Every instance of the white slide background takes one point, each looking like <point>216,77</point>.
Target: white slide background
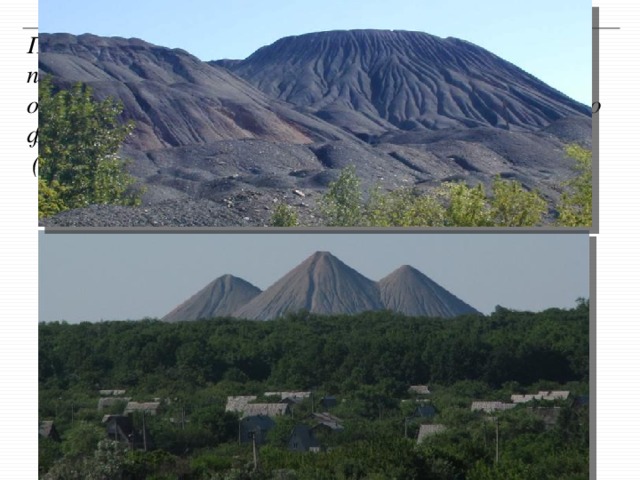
<point>618,256</point>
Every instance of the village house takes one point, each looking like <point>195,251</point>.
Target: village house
<point>429,430</point>
<point>48,430</point>
<point>302,439</point>
<point>150,408</point>
<point>419,389</point>
<point>425,410</point>
<point>266,409</point>
<point>541,395</point>
<point>255,426</point>
<point>120,428</point>
<point>238,402</point>
<point>490,407</point>
<point>581,401</point>
<point>106,393</point>
<point>290,397</point>
<point>111,402</point>
<point>326,421</point>
<point>328,402</point>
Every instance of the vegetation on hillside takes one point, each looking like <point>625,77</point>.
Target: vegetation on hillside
<point>454,204</point>
<point>575,207</point>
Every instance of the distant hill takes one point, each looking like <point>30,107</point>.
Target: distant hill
<point>218,299</point>
<point>320,284</point>
<point>411,292</point>
<point>373,81</point>
<point>174,98</point>
<point>325,285</point>
<point>219,143</point>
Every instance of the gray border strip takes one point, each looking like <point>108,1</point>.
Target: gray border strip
<point>592,356</point>
<point>317,230</point>
<point>595,120</point>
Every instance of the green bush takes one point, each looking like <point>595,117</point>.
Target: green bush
<point>575,206</point>
<point>284,216</point>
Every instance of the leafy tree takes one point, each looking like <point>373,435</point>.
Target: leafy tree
<point>402,208</point>
<point>465,206</point>
<point>458,204</point>
<point>49,201</point>
<point>341,206</point>
<point>452,204</point>
<point>279,435</point>
<point>284,216</point>
<point>82,439</point>
<point>48,452</point>
<point>513,206</point>
<point>575,206</point>
<point>79,142</point>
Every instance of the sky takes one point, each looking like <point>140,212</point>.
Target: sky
<point>549,39</point>
<point>93,277</point>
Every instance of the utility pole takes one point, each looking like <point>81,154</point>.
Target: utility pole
<point>497,441</point>
<point>255,451</point>
<point>144,432</point>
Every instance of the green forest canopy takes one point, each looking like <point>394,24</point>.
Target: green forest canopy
<point>368,360</point>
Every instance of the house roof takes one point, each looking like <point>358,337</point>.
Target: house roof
<point>491,406</point>
<point>237,403</point>
<point>295,396</point>
<point>112,392</point>
<point>541,395</point>
<point>419,389</point>
<point>267,409</point>
<point>328,420</point>
<point>149,407</point>
<point>428,430</point>
<point>47,429</point>
<point>106,402</point>
<point>522,398</point>
<point>557,395</point>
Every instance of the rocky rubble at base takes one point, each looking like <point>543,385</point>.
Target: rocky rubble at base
<point>247,209</point>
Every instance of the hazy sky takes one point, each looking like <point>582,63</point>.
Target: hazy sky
<point>129,276</point>
<point>549,39</point>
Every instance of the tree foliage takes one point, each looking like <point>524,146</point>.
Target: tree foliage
<point>576,204</point>
<point>507,203</point>
<point>78,153</point>
<point>452,204</point>
<point>513,206</point>
<point>341,205</point>
<point>302,350</point>
<point>402,208</point>
<point>284,216</point>
<point>367,360</point>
